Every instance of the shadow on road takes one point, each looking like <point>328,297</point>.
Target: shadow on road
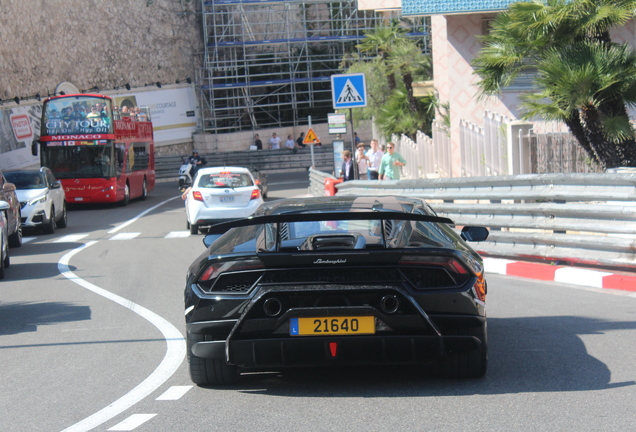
<point>541,354</point>
<point>26,317</point>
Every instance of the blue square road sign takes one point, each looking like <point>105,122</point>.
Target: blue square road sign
<point>349,91</point>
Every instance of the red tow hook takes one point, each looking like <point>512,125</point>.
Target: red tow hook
<point>333,349</point>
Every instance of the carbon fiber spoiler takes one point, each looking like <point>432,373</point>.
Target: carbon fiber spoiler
<point>326,216</point>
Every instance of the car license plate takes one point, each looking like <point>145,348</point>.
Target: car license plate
<point>324,326</point>
<point>226,199</point>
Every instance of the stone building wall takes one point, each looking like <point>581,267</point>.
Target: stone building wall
<point>96,43</point>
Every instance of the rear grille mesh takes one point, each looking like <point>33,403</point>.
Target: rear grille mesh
<point>419,277</point>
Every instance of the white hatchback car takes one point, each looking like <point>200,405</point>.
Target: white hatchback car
<point>41,197</point>
<point>220,194</point>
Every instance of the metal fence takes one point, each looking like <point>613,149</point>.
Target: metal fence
<point>167,167</point>
<point>576,218</point>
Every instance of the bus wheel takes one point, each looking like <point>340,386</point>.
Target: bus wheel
<point>126,195</point>
<point>144,190</point>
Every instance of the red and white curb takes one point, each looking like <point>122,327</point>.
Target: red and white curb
<point>556,273</point>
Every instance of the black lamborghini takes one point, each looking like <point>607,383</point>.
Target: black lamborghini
<point>336,281</point>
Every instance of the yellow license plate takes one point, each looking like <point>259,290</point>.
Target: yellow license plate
<point>325,326</point>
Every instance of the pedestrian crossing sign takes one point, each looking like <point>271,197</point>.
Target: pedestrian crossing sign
<point>349,91</point>
<point>311,137</point>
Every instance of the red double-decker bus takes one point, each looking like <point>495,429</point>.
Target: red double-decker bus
<point>101,153</point>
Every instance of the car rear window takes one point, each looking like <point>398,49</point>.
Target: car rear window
<point>224,180</point>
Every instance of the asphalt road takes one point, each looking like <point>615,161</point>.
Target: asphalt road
<point>91,339</point>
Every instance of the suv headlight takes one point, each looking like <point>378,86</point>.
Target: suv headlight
<point>34,201</point>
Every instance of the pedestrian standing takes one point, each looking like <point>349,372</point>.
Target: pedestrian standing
<point>363,162</point>
<point>391,164</point>
<point>300,140</point>
<point>274,142</point>
<point>257,142</point>
<point>375,157</point>
<point>290,143</point>
<point>346,172</point>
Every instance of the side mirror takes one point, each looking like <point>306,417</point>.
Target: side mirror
<point>4,205</point>
<point>56,185</point>
<point>34,147</point>
<point>474,234</point>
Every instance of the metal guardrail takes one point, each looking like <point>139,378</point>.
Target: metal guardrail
<point>576,218</point>
<point>167,167</point>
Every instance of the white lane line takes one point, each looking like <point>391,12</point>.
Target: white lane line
<point>178,234</point>
<point>124,236</point>
<point>132,422</point>
<point>71,238</point>
<point>27,239</point>
<point>174,393</point>
<point>175,350</point>
<point>143,213</point>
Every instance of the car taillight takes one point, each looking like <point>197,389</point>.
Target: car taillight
<point>480,289</point>
<point>197,196</point>
<point>256,193</point>
<point>215,269</point>
<point>449,263</point>
<point>257,181</point>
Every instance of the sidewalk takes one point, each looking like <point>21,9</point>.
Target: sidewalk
<point>572,275</point>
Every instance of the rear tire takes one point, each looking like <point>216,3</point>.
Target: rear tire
<point>15,239</point>
<point>194,229</point>
<point>472,364</point>
<point>49,226</point>
<point>4,263</point>
<point>206,372</point>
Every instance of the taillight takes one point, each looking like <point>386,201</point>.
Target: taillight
<point>479,289</point>
<point>256,193</point>
<point>215,269</point>
<point>197,196</point>
<point>449,263</point>
<point>257,181</point>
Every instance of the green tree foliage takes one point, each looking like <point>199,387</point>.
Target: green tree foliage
<point>581,77</point>
<point>390,76</point>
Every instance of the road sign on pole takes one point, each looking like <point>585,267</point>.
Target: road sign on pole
<point>349,91</point>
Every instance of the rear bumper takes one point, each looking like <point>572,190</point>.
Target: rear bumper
<point>320,351</point>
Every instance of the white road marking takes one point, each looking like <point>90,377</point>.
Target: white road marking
<point>125,236</point>
<point>71,238</point>
<point>178,234</point>
<point>174,393</point>
<point>27,239</point>
<point>132,422</point>
<point>143,213</point>
<point>175,350</point>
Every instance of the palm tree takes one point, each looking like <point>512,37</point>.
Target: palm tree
<point>381,40</point>
<point>583,78</point>
<point>407,60</point>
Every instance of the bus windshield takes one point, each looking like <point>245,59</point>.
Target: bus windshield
<point>82,161</point>
<point>77,115</point>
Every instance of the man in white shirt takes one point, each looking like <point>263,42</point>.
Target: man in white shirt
<point>375,157</point>
<point>274,142</point>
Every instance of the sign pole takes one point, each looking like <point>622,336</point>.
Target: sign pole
<point>311,146</point>
<point>356,175</point>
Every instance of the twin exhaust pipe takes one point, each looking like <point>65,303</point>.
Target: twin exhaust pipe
<point>389,304</point>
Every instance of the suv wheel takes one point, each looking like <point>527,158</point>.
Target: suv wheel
<point>49,225</point>
<point>15,239</point>
<point>63,222</point>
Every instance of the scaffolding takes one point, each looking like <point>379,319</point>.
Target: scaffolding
<point>268,63</point>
